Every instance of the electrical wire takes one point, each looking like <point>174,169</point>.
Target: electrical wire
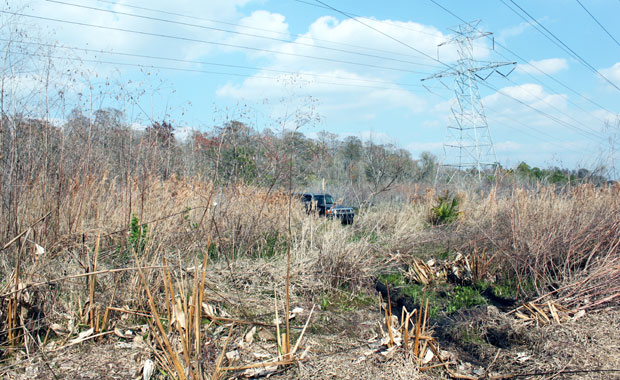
<point>98,61</point>
<point>497,111</point>
<point>297,36</point>
<point>236,74</point>
<point>585,130</point>
<point>584,133</point>
<point>238,33</point>
<point>78,49</point>
<point>563,45</point>
<point>385,34</point>
<point>534,67</point>
<point>400,26</point>
<point>554,91</point>
<point>599,24</point>
<point>543,113</point>
<point>188,39</point>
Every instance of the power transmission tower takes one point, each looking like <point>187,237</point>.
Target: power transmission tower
<point>468,145</point>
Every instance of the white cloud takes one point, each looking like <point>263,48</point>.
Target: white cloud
<point>548,66</point>
<point>514,31</point>
<point>260,19</point>
<point>117,40</point>
<point>512,99</point>
<point>612,73</point>
<point>433,147</point>
<point>508,146</point>
<point>606,116</point>
<point>351,32</point>
<point>541,153</point>
<point>355,86</point>
<point>432,124</point>
<point>137,126</point>
<point>184,133</point>
<point>376,137</point>
<point>344,93</point>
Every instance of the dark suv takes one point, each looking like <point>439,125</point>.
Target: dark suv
<point>324,204</point>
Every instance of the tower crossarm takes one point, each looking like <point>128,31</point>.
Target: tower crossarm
<point>453,71</point>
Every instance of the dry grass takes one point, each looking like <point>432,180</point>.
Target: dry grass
<point>548,240</point>
<point>193,244</point>
<point>113,255</point>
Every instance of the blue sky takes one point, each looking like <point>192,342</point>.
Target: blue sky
<point>299,55</point>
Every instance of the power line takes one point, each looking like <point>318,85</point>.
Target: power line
<point>237,33</point>
<point>385,34</point>
<point>599,24</point>
<point>565,47</point>
<point>298,36</point>
<point>78,49</point>
<point>557,81</point>
<point>584,133</point>
<point>559,121</point>
<point>325,6</point>
<point>517,121</point>
<point>584,130</point>
<point>211,42</point>
<point>447,10</point>
<point>551,117</point>
<point>198,71</point>
<point>534,67</point>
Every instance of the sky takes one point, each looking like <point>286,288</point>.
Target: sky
<point>367,68</point>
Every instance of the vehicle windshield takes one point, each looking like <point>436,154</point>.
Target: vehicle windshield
<point>324,199</point>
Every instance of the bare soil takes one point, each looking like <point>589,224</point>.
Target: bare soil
<point>480,342</point>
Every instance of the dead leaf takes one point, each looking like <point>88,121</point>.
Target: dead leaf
<point>232,356</point>
<point>148,369</point>
<point>128,334</point>
<point>261,355</point>
<point>178,315</point>
<point>208,309</point>
<point>264,334</point>
<point>260,371</point>
<point>249,337</point>
<point>578,315</point>
<point>138,341</point>
<point>82,336</point>
<point>118,332</point>
<point>523,356</point>
<point>59,329</point>
<point>38,250</point>
<point>428,357</point>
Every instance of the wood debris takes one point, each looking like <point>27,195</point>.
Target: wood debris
<point>430,271</point>
<point>545,313</point>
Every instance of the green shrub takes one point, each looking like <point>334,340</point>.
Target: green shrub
<point>445,211</point>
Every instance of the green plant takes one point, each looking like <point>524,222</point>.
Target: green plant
<point>418,292</point>
<point>137,234</point>
<point>393,279</point>
<point>445,211</point>
<point>345,301</point>
<point>469,335</point>
<point>511,287</point>
<point>275,244</point>
<point>464,296</point>
<point>186,211</point>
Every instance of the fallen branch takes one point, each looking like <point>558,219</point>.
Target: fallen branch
<point>7,245</point>
<point>27,286</point>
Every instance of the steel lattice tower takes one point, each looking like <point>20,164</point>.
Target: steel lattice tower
<point>468,144</point>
